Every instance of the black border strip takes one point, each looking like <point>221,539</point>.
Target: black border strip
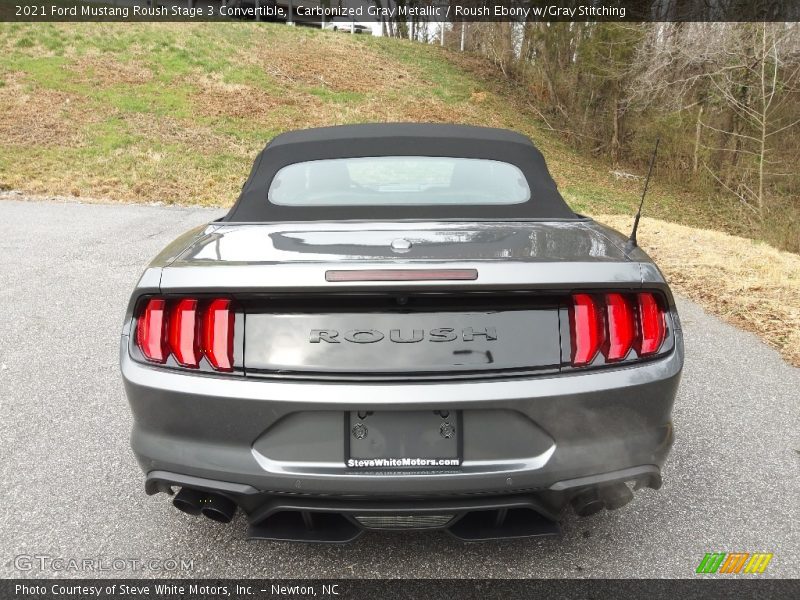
<point>435,11</point>
<point>696,587</point>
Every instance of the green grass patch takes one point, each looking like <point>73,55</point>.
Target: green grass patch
<point>253,77</point>
<point>110,137</point>
<point>153,98</point>
<point>48,72</point>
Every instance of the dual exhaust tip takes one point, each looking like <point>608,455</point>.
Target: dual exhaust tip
<point>214,506</point>
<point>610,497</point>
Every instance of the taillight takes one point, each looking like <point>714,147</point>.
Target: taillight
<point>183,333</point>
<point>613,324</point>
<point>151,329</point>
<point>652,327</point>
<point>587,329</point>
<point>621,332</point>
<point>188,329</point>
<point>218,334</point>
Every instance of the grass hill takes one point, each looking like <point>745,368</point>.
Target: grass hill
<point>177,112</point>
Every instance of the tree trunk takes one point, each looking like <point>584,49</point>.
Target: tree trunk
<point>764,109</point>
<point>616,133</point>
<point>697,131</point>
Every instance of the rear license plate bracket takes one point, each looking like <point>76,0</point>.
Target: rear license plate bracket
<point>403,439</point>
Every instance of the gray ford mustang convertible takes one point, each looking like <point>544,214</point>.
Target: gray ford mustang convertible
<point>401,327</point>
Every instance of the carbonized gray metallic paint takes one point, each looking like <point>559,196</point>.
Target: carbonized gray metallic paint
<point>548,428</point>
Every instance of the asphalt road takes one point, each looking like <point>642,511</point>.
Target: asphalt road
<point>71,488</point>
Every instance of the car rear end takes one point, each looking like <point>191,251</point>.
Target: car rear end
<point>328,378</point>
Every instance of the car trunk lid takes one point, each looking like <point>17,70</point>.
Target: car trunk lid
<point>258,257</point>
<point>299,321</point>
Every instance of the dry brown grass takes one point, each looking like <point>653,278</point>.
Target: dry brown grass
<point>45,118</point>
<point>334,62</point>
<point>169,130</point>
<point>749,284</point>
<point>234,100</point>
<point>92,67</point>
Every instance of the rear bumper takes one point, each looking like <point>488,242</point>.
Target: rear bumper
<point>564,427</point>
<point>294,517</point>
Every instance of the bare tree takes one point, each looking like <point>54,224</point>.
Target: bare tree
<point>741,82</point>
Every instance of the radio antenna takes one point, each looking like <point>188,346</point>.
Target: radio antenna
<point>632,243</point>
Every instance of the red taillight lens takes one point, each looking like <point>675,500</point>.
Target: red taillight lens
<point>615,323</point>
<point>621,327</point>
<point>218,334</point>
<point>151,331</point>
<point>586,328</point>
<point>651,324</point>
<point>183,329</point>
<point>183,333</point>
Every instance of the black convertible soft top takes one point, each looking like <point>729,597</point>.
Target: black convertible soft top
<point>399,139</point>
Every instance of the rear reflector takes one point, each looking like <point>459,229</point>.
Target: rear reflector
<point>613,324</point>
<point>183,333</point>
<point>586,327</point>
<point>621,332</point>
<point>652,328</point>
<point>403,275</point>
<point>218,334</point>
<point>151,330</point>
